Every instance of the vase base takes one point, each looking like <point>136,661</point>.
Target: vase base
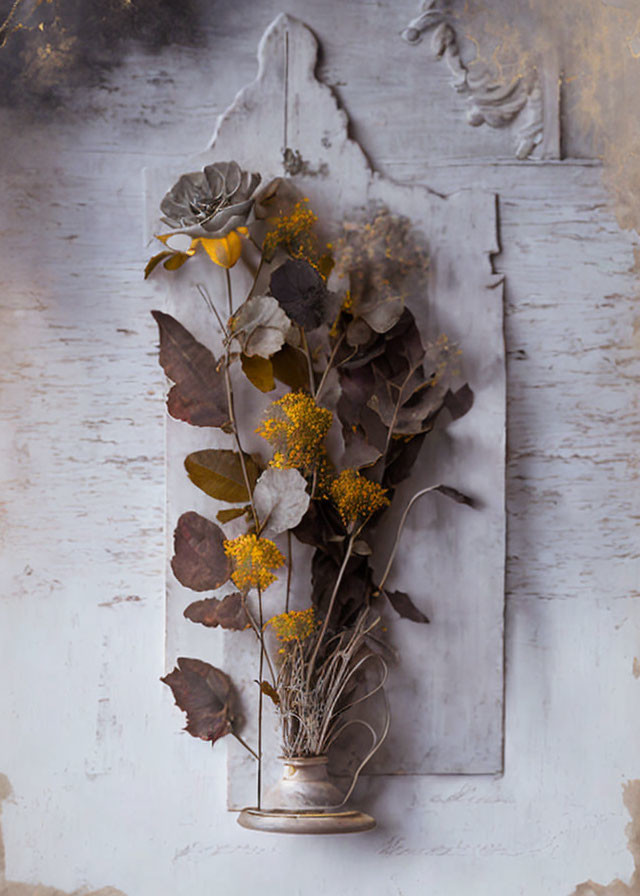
<point>306,821</point>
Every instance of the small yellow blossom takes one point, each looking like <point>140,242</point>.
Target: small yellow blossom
<point>297,427</point>
<point>294,233</point>
<point>253,560</point>
<point>295,625</point>
<point>356,497</point>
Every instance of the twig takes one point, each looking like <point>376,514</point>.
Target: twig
<point>403,518</point>
<point>245,745</point>
<point>332,601</point>
<point>289,568</point>
<point>229,299</point>
<point>332,356</point>
<point>305,346</point>
<point>260,698</point>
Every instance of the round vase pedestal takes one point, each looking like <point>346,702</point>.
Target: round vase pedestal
<point>305,801</point>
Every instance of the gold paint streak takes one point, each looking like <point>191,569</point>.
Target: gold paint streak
<point>598,47</point>
<point>17,888</point>
<point>631,796</point>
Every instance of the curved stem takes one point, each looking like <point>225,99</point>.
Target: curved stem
<point>255,279</point>
<point>403,519</point>
<point>332,601</point>
<point>332,356</point>
<point>305,346</point>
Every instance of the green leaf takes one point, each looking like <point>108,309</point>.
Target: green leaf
<point>218,472</point>
<point>290,367</point>
<point>259,371</point>
<point>155,261</point>
<point>232,513</point>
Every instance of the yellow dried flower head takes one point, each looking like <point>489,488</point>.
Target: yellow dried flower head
<point>295,625</point>
<point>356,497</point>
<point>294,233</point>
<point>253,560</point>
<point>297,427</point>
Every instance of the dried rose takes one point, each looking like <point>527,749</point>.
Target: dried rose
<point>212,202</point>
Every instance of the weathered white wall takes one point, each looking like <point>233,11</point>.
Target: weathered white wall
<point>107,792</point>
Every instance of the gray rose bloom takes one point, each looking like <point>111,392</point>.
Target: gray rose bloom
<point>212,202</point>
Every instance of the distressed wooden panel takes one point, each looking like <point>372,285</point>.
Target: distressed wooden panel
<point>446,696</point>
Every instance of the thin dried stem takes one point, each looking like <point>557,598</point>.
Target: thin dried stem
<point>330,361</point>
<point>332,601</point>
<point>403,518</point>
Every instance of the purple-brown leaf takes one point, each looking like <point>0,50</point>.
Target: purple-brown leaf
<point>199,561</point>
<point>227,613</point>
<point>404,606</point>
<point>199,395</point>
<point>204,693</point>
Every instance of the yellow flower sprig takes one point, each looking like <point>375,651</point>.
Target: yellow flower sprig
<point>254,560</point>
<point>356,497</point>
<point>296,427</point>
<point>295,625</point>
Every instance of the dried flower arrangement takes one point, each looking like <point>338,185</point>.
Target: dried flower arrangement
<point>326,322</point>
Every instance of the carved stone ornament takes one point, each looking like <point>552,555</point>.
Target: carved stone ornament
<point>446,693</point>
<point>530,100</point>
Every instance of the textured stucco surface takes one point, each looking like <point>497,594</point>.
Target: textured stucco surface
<point>106,790</point>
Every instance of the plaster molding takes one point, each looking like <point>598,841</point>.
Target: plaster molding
<point>491,102</point>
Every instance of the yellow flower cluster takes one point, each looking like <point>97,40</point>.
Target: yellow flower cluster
<point>356,497</point>
<point>296,427</point>
<point>295,625</point>
<point>253,560</point>
<point>294,233</point>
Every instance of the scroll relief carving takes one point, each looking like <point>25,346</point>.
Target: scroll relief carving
<point>490,102</point>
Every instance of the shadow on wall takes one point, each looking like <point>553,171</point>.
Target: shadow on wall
<point>15,888</point>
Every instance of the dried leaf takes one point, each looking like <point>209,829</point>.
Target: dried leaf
<point>199,396</point>
<point>270,691</point>
<point>381,311</point>
<point>204,693</point>
<point>404,606</point>
<point>281,500</point>
<point>290,367</point>
<point>227,613</point>
<point>460,402</point>
<point>260,326</point>
<point>177,260</point>
<point>259,371</point>
<point>301,291</point>
<point>232,513</point>
<point>361,548</point>
<point>199,561</point>
<point>355,588</point>
<point>455,495</point>
<point>218,472</point>
<point>155,261</point>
